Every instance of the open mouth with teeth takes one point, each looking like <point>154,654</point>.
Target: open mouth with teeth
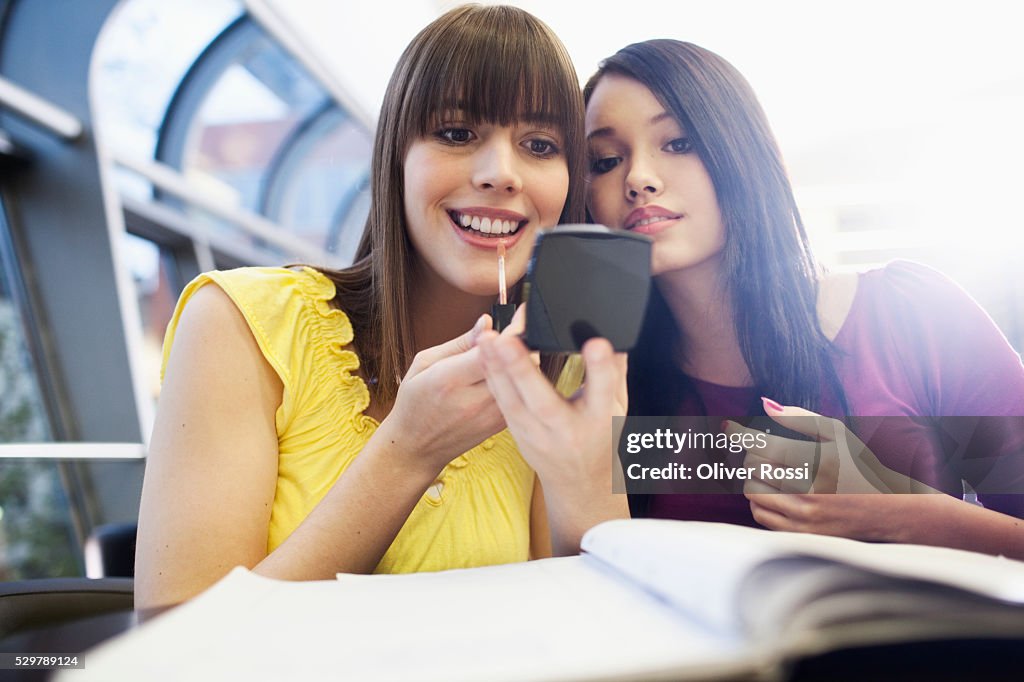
<point>488,227</point>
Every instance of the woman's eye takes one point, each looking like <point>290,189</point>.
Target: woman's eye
<point>603,165</point>
<point>543,148</point>
<point>680,145</point>
<point>455,135</point>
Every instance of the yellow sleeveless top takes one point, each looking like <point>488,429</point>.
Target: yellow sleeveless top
<point>481,515</point>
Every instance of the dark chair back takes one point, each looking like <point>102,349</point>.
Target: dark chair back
<point>110,551</point>
<point>63,615</point>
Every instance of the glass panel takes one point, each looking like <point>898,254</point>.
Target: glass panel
<point>152,268</point>
<point>145,49</point>
<point>322,192</point>
<point>223,236</point>
<point>22,412</point>
<point>254,106</point>
<point>36,534</point>
<point>243,109</point>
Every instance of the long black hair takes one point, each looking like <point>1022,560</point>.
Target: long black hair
<point>768,268</point>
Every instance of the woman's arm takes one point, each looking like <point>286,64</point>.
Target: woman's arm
<point>883,506</point>
<point>924,519</point>
<point>212,469</point>
<point>212,465</point>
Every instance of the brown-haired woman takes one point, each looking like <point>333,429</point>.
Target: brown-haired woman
<point>315,422</point>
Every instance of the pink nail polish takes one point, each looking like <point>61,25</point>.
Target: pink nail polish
<point>770,404</point>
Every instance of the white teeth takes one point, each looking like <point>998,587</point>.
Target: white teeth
<point>487,225</point>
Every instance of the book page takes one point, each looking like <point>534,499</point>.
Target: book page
<point>695,566</point>
<point>701,567</point>
<point>554,619</point>
<point>795,598</point>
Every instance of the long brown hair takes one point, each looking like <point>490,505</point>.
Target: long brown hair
<point>769,270</point>
<point>497,64</point>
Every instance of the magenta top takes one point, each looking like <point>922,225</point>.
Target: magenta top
<point>914,344</point>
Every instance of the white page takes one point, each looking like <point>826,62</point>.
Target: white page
<point>698,566</point>
<point>695,566</point>
<point>556,619</point>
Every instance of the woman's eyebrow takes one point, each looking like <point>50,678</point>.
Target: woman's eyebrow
<point>660,117</point>
<point>608,131</point>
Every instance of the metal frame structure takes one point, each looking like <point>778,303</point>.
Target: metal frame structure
<point>66,228</point>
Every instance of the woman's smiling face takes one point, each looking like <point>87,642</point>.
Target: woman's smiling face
<point>645,176</point>
<point>469,185</point>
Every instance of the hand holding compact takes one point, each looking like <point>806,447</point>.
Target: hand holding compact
<point>567,441</point>
<point>560,437</point>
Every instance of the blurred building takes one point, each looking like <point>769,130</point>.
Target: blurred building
<point>142,142</point>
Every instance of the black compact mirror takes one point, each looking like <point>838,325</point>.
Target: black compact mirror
<point>585,281</point>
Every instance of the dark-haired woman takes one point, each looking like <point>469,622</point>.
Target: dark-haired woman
<point>314,421</point>
<point>743,322</point>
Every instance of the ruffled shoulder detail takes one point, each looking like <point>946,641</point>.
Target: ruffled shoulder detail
<point>333,337</point>
<point>319,291</point>
<point>302,336</point>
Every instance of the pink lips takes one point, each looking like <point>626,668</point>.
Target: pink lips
<point>654,219</point>
<point>492,213</point>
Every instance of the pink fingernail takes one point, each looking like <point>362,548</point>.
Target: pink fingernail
<point>770,404</point>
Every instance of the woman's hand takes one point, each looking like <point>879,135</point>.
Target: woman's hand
<point>568,442</point>
<point>444,407</point>
<point>843,493</point>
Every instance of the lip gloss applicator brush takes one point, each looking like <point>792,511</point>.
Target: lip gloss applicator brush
<point>502,311</point>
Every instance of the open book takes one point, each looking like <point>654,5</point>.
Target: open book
<point>647,600</point>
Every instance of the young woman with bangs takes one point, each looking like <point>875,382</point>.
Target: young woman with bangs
<point>743,322</point>
<point>316,421</point>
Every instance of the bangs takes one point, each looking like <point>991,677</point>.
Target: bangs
<point>517,73</point>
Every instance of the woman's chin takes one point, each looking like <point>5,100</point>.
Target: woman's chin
<point>680,261</point>
<point>479,287</point>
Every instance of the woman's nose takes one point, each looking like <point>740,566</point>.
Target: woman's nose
<point>642,180</point>
<point>497,167</point>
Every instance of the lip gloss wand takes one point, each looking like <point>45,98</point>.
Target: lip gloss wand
<point>502,311</point>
